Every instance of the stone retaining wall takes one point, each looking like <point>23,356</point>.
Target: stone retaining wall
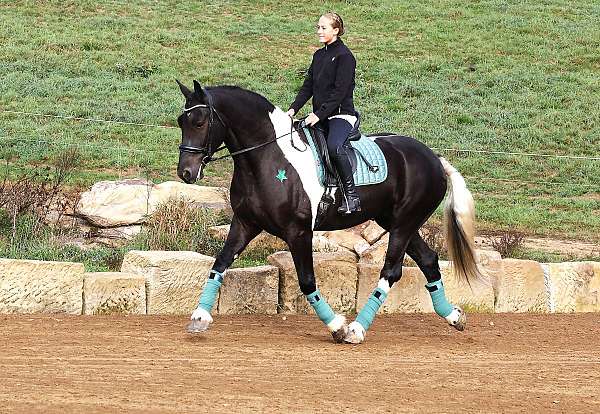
<point>171,282</point>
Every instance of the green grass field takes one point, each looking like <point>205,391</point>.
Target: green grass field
<point>491,76</point>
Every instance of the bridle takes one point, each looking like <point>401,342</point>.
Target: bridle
<point>207,150</point>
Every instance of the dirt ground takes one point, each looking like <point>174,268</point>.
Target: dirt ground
<point>409,363</point>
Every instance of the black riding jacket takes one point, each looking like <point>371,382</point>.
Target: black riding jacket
<point>330,81</point>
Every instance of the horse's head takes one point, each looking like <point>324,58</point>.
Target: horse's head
<point>201,132</point>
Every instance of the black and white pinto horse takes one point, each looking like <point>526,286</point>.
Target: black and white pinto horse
<point>275,188</point>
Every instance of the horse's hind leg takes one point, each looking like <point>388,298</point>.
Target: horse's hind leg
<point>427,260</point>
<point>390,274</point>
<point>240,234</point>
<point>301,248</point>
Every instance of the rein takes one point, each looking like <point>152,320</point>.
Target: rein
<point>207,150</point>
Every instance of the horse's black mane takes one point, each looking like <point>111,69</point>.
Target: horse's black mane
<point>258,101</point>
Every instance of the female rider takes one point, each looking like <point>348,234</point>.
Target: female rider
<point>330,82</point>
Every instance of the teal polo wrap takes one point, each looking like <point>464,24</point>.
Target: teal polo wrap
<point>368,312</point>
<point>211,290</point>
<point>321,307</point>
<point>438,296</point>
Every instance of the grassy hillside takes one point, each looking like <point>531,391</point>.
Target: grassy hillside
<point>491,76</point>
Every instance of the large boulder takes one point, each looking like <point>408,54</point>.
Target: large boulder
<point>520,287</point>
<point>336,277</point>
<point>375,254</point>
<point>568,285</point>
<point>322,244</point>
<point>347,239</point>
<point>250,290</point>
<point>114,293</point>
<point>174,280</point>
<point>263,241</point>
<point>126,202</point>
<point>201,196</point>
<point>113,236</point>
<point>34,286</point>
<point>373,232</point>
<point>115,203</point>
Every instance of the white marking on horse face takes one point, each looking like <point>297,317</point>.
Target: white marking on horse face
<point>383,285</point>
<point>302,162</point>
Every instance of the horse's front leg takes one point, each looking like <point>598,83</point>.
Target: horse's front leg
<point>240,234</point>
<point>301,248</point>
<point>390,274</point>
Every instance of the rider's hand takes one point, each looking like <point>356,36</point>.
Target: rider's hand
<point>291,113</point>
<point>311,119</point>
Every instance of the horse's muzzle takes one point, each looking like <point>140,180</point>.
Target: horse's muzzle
<point>187,176</point>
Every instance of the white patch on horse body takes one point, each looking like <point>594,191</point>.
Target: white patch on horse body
<point>302,162</point>
<point>337,323</point>
<point>201,314</point>
<point>384,285</point>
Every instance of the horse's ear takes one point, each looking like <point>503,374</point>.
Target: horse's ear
<point>184,89</point>
<point>198,90</point>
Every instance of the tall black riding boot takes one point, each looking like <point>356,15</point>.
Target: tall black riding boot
<point>350,199</point>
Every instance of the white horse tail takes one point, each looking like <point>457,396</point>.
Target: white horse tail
<point>459,226</point>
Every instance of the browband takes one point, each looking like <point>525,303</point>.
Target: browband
<point>194,107</point>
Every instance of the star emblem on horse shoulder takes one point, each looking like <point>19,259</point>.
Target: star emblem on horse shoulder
<point>281,175</point>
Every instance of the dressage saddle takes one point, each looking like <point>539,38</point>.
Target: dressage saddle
<point>319,137</point>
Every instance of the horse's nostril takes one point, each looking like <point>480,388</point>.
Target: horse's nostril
<point>187,175</point>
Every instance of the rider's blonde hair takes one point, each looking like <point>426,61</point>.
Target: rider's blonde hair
<point>336,21</point>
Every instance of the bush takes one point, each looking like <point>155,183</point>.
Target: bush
<point>508,242</point>
<point>178,225</point>
<point>37,191</point>
<point>29,238</point>
<point>434,237</point>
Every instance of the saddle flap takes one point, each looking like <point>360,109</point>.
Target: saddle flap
<point>371,168</point>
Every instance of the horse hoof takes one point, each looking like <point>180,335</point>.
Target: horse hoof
<point>201,320</point>
<point>340,335</point>
<point>197,326</point>
<point>356,333</point>
<point>457,319</point>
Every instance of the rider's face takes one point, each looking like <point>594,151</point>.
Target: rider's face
<point>327,34</point>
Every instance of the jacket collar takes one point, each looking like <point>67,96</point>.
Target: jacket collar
<point>333,45</point>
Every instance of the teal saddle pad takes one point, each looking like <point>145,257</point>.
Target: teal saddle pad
<point>362,176</point>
